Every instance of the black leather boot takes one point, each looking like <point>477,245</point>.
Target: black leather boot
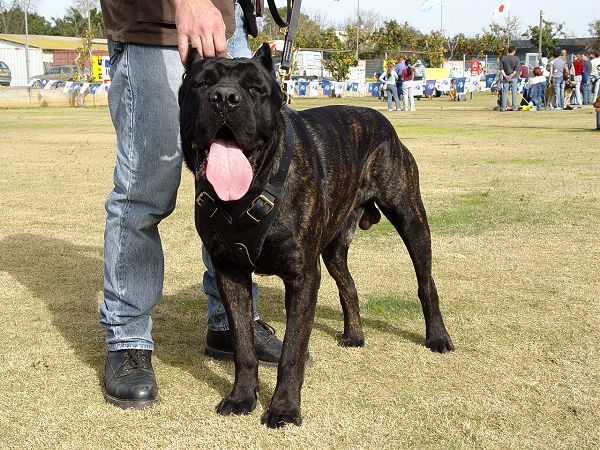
<point>268,346</point>
<point>130,381</point>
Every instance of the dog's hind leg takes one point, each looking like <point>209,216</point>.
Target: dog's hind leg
<point>335,257</point>
<point>403,207</point>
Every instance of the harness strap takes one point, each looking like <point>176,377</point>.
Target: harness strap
<point>242,225</point>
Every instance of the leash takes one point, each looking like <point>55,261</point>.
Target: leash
<point>291,28</point>
<point>242,225</point>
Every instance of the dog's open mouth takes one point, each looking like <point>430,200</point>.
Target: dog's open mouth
<point>228,169</point>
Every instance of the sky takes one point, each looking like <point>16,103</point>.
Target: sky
<point>457,16</point>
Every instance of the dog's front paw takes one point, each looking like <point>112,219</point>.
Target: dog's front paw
<point>277,418</point>
<point>232,405</point>
<point>352,339</point>
<point>440,342</point>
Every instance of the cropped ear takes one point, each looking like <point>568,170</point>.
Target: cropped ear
<point>263,55</point>
<point>192,57</point>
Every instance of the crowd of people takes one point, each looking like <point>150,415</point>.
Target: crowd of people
<point>562,82</point>
<point>399,82</point>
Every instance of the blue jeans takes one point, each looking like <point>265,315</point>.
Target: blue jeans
<point>587,92</point>
<point>145,112</point>
<point>512,84</point>
<point>392,91</point>
<point>559,91</point>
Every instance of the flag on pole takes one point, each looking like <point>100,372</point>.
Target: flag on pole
<point>428,5</point>
<point>502,9</point>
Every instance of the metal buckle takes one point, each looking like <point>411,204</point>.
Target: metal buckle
<point>265,200</point>
<point>200,201</point>
<point>200,198</point>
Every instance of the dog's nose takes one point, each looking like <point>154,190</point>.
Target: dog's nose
<point>224,96</point>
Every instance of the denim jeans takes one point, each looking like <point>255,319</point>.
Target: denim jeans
<point>587,92</point>
<point>559,91</point>
<point>578,98</point>
<point>145,113</point>
<point>392,91</point>
<point>511,84</point>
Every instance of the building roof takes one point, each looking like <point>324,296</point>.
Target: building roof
<point>53,42</point>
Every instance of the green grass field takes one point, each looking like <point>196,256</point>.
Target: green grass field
<point>514,206</point>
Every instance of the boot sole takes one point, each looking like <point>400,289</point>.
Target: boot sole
<point>130,404</point>
<point>228,356</point>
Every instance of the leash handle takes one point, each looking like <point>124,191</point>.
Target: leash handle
<point>290,35</point>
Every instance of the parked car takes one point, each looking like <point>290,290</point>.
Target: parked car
<point>5,74</point>
<point>63,73</point>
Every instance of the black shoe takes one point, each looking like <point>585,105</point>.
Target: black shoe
<point>129,379</point>
<point>268,346</point>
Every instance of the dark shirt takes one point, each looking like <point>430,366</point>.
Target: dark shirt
<point>510,64</point>
<point>524,72</point>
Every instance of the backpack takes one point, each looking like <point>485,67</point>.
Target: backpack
<point>419,72</point>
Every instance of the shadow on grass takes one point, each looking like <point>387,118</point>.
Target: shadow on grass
<point>68,279</point>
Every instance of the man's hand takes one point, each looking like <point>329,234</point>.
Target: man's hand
<point>199,23</point>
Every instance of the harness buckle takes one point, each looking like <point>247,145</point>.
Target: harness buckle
<point>265,201</point>
<point>203,197</point>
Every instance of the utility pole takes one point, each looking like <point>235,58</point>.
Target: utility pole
<point>508,27</point>
<point>442,18</point>
<point>27,51</point>
<point>540,36</point>
<point>357,27</point>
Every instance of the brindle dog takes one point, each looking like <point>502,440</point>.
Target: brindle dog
<point>348,164</point>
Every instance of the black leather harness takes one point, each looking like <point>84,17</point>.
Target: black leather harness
<point>242,225</point>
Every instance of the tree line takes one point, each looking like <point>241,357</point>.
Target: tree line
<point>376,37</point>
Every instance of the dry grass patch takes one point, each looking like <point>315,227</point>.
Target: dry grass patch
<point>513,201</point>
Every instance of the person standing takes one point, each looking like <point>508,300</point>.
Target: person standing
<point>509,69</point>
<point>557,68</point>
<point>578,74</point>
<point>595,75</point>
<point>400,66</point>
<point>390,77</point>
<point>408,91</point>
<point>524,72</point>
<point>148,51</point>
<point>585,79</point>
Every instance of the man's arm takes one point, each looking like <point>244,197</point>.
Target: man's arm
<point>200,24</point>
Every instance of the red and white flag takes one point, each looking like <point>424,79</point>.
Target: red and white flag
<point>502,9</point>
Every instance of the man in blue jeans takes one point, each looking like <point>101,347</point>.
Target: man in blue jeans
<point>148,47</point>
<point>509,68</point>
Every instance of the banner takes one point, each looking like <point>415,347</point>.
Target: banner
<point>339,88</point>
<point>460,85</point>
<point>314,89</point>
<point>443,85</point>
<point>302,86</point>
<point>489,79</point>
<point>418,88</point>
<point>327,88</point>
<point>429,87</point>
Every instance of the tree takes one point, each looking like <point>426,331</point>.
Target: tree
<point>393,37</point>
<point>497,36</point>
<point>460,45</point>
<point>339,64</point>
<point>551,32</point>
<point>12,19</point>
<point>434,46</point>
<point>594,30</point>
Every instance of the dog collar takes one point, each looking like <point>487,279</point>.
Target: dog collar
<point>242,224</point>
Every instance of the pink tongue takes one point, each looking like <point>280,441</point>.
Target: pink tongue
<point>228,170</point>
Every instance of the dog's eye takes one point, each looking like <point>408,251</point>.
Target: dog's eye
<point>198,84</point>
<point>256,90</point>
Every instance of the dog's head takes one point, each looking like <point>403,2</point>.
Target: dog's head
<point>230,110</point>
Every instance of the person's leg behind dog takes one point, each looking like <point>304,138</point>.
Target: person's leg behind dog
<point>514,87</point>
<point>504,95</point>
<point>558,85</point>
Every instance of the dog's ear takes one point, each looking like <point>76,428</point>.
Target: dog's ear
<point>192,57</point>
<point>263,55</point>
